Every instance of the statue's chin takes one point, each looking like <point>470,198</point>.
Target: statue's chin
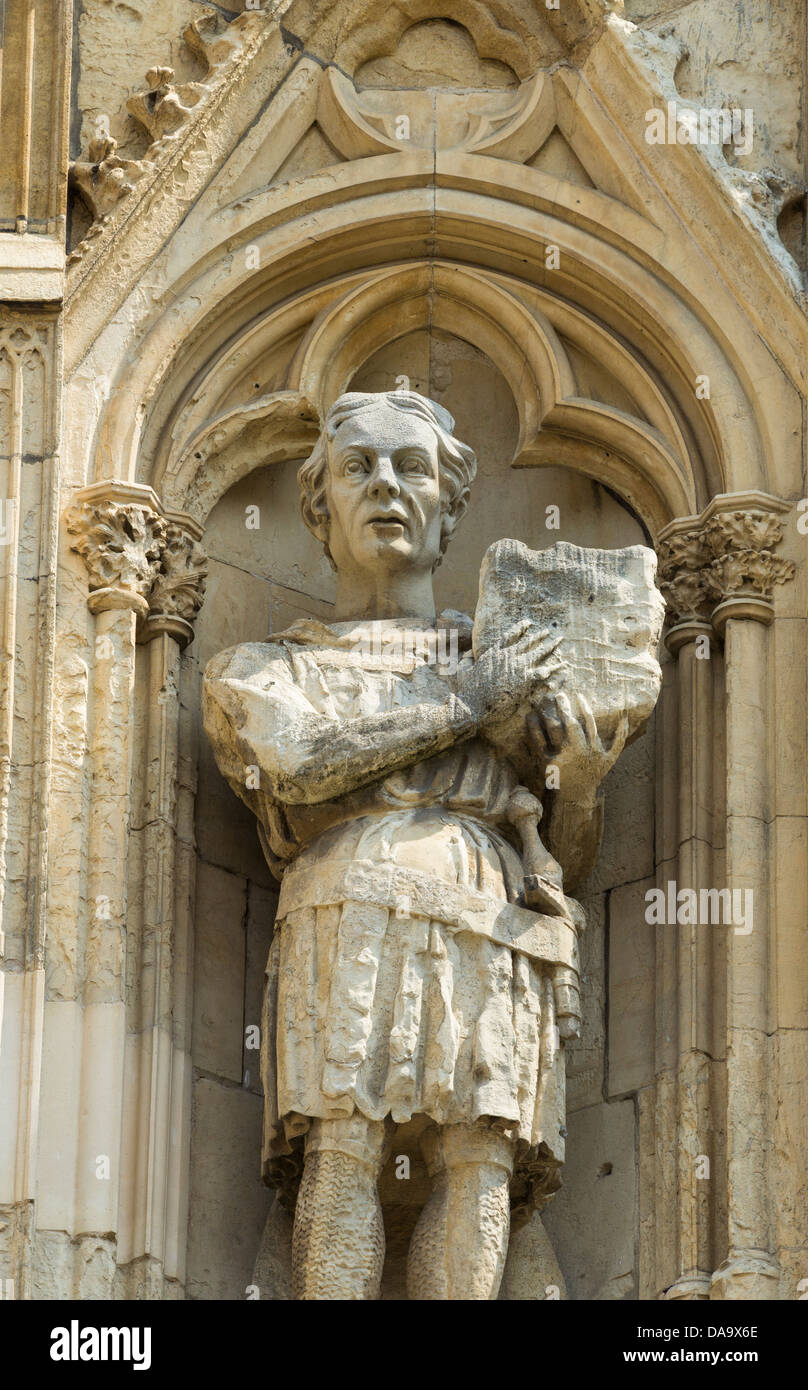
<point>379,551</point>
<point>392,551</point>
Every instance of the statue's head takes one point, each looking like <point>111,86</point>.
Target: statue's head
<point>387,482</point>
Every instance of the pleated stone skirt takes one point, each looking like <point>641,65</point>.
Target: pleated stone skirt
<point>392,1014</point>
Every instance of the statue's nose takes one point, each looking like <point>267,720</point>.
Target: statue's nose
<point>383,480</point>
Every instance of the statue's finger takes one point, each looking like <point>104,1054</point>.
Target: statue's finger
<point>535,651</point>
<point>513,635</point>
<point>566,714</point>
<point>618,743</point>
<point>536,732</point>
<point>552,723</point>
<point>588,721</point>
<point>548,667</point>
<point>549,641</point>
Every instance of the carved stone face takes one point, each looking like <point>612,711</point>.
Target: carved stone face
<point>384,492</point>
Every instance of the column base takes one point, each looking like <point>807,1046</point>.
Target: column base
<point>752,1275</point>
<point>689,1289</point>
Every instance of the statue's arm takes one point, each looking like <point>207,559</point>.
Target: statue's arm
<point>264,720</point>
<point>572,832</point>
<point>257,715</point>
<point>565,735</point>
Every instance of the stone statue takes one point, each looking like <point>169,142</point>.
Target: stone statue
<point>424,968</point>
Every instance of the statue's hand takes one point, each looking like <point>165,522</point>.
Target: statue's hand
<point>496,683</point>
<point>563,732</point>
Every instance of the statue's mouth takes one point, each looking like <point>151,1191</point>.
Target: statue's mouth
<point>388,521</point>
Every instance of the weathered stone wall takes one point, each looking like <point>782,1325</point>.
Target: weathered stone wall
<point>749,54</point>
<point>116,42</point>
<point>739,52</point>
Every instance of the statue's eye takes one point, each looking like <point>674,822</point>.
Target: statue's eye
<point>354,464</point>
<point>412,463</point>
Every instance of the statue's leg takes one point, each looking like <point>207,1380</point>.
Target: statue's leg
<point>338,1237</point>
<point>459,1245</point>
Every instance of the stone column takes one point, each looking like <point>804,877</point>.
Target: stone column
<point>159,1042</point>
<point>718,571</point>
<point>684,1083</point>
<point>741,575</point>
<point>120,535</point>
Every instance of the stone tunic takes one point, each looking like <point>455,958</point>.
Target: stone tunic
<point>403,978</point>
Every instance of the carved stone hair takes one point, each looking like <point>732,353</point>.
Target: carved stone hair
<point>457,463</point>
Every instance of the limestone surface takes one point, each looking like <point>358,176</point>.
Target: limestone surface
<point>581,232</point>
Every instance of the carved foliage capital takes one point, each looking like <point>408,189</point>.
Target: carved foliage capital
<point>137,558</point>
<point>681,578</point>
<point>743,530</point>
<point>179,584</point>
<point>722,555</point>
<point>119,542</point>
<point>743,562</point>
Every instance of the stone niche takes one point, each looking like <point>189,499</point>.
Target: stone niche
<point>274,213</point>
<point>264,576</point>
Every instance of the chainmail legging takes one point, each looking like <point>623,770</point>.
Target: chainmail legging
<point>459,1245</point>
<point>338,1238</point>
<point>458,1248</point>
